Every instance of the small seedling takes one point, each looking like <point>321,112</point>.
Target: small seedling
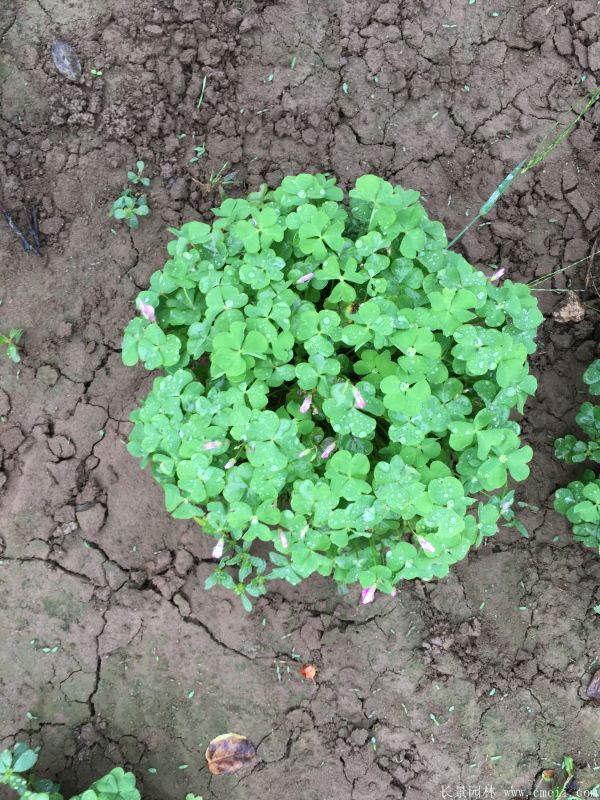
<point>568,790</point>
<point>580,500</point>
<point>137,177</point>
<point>129,207</point>
<point>97,73</point>
<point>221,180</point>
<point>198,153</point>
<point>10,341</point>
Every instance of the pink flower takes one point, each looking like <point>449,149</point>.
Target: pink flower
<point>212,445</point>
<point>328,450</point>
<point>394,592</point>
<point>230,463</point>
<point>367,595</point>
<point>306,404</point>
<point>283,539</point>
<point>217,551</point>
<point>427,546</point>
<point>497,275</point>
<point>147,311</point>
<point>306,278</point>
<point>359,400</point>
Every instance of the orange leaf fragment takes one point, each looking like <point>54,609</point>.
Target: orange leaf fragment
<point>228,753</point>
<point>308,671</point>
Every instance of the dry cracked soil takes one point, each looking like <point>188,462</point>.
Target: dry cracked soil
<point>111,651</point>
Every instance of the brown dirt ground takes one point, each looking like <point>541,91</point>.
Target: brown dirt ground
<point>476,680</point>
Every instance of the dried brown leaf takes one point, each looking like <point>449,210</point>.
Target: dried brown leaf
<point>228,753</point>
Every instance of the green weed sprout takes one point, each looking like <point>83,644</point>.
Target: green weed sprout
<point>579,502</point>
<point>336,383</point>
<point>198,153</point>
<point>222,180</point>
<point>542,151</point>
<point>131,205</point>
<point>219,180</point>
<point>10,341</point>
<point>568,788</point>
<point>15,772</point>
<point>137,177</point>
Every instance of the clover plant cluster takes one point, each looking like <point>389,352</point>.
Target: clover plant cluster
<point>15,772</point>
<point>580,500</point>
<point>337,384</point>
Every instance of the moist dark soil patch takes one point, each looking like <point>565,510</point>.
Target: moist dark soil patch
<point>476,680</point>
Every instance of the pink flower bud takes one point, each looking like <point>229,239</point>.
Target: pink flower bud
<point>283,539</point>
<point>394,592</point>
<point>427,546</point>
<point>497,275</point>
<point>306,278</point>
<point>359,400</point>
<point>328,450</point>
<point>367,595</point>
<point>212,445</point>
<point>230,463</point>
<point>217,551</point>
<point>306,403</point>
<point>147,311</point>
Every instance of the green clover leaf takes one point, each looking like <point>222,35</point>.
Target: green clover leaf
<point>230,350</point>
<point>343,415</point>
<point>157,349</point>
<point>404,392</point>
<point>592,377</point>
<point>346,474</point>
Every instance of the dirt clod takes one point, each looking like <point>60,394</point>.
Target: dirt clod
<point>572,309</point>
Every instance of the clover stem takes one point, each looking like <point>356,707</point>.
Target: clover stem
<point>376,553</point>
